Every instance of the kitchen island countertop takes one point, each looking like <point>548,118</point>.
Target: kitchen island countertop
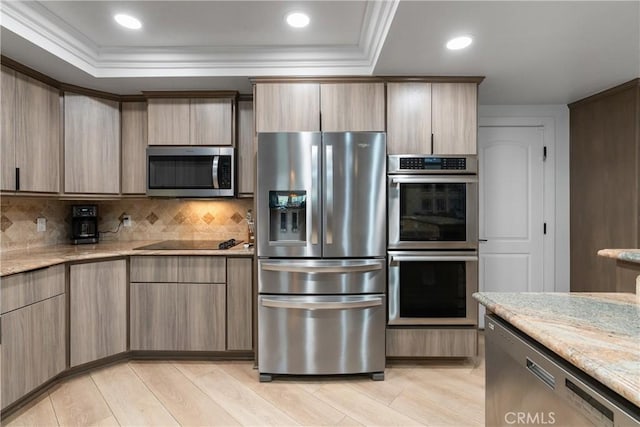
<point>22,260</point>
<point>599,333</point>
<point>628,255</point>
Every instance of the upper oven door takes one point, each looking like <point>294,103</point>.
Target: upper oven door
<point>433,212</point>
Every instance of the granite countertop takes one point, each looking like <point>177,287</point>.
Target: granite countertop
<point>599,333</point>
<point>628,255</point>
<point>29,259</point>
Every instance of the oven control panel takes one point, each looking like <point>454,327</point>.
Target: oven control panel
<point>424,164</point>
<point>433,163</point>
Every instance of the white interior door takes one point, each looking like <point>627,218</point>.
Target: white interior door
<point>511,197</point>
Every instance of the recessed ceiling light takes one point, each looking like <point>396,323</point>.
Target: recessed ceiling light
<point>128,21</point>
<point>459,43</point>
<point>298,19</point>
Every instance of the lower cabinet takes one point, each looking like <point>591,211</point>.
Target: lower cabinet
<point>97,310</point>
<point>239,304</point>
<point>432,342</point>
<point>33,347</point>
<point>178,316</point>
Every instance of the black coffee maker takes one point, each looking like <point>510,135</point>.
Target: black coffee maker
<point>84,224</point>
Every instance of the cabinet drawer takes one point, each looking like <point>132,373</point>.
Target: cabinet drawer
<point>202,269</point>
<point>154,269</point>
<point>19,290</point>
<point>420,342</point>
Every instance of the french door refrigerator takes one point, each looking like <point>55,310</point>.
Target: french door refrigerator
<point>321,240</point>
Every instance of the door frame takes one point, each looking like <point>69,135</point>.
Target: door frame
<point>548,176</point>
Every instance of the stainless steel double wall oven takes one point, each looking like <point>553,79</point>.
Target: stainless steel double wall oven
<point>321,253</point>
<point>433,239</point>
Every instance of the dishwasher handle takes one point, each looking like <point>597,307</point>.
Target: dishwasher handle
<point>331,305</point>
<point>541,374</point>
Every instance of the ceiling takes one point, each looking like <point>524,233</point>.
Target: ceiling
<point>539,52</point>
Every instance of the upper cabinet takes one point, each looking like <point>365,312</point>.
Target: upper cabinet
<point>287,107</point>
<point>305,106</point>
<point>352,107</point>
<point>246,149</point>
<point>432,118</point>
<point>133,119</point>
<point>191,121</point>
<point>91,145</point>
<point>30,134</point>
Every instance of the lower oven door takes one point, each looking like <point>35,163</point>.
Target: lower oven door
<point>432,288</point>
<point>324,335</point>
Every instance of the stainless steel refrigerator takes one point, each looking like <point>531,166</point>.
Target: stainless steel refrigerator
<point>321,240</point>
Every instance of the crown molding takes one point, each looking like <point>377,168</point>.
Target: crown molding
<point>35,23</point>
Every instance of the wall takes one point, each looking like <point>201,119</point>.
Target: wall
<point>153,219</point>
<point>556,179</point>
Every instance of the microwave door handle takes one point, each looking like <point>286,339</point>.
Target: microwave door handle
<point>418,258</point>
<point>214,171</point>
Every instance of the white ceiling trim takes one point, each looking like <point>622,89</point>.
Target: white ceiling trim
<point>35,23</point>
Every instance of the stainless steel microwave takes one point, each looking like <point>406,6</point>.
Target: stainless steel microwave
<point>190,171</point>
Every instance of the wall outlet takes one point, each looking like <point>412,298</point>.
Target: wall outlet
<point>126,220</point>
<point>41,225</point>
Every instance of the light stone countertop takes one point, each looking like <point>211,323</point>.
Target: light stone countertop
<point>19,261</point>
<point>599,333</point>
<point>628,255</point>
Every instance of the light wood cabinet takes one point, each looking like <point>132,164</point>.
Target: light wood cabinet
<point>33,347</point>
<point>191,121</point>
<point>91,145</point>
<point>168,121</point>
<point>19,290</point>
<point>7,129</point>
<point>287,107</point>
<point>239,304</point>
<point>454,118</point>
<point>337,107</point>
<point>133,119</point>
<point>98,310</point>
<point>352,107</point>
<point>30,134</point>
<point>178,303</point>
<point>246,149</point>
<point>432,118</point>
<point>432,342</point>
<point>408,118</point>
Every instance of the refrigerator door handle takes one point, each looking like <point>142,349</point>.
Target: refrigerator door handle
<point>293,268</point>
<point>314,195</point>
<point>329,195</point>
<point>302,305</point>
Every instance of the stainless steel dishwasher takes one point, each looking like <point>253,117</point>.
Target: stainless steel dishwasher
<point>527,384</point>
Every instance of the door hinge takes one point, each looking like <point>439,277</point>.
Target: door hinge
<point>544,153</point>
<point>544,228</point>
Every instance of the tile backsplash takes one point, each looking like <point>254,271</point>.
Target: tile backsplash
<point>152,219</point>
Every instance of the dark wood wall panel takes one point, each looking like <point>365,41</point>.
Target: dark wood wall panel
<point>604,174</point>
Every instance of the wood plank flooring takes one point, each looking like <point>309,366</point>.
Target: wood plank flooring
<point>168,393</point>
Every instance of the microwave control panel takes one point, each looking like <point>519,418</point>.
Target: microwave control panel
<point>433,163</point>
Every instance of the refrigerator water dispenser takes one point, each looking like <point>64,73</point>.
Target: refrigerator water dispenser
<point>287,216</point>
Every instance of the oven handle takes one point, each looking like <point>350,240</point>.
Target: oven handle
<point>434,180</point>
<point>290,268</point>
<point>345,305</point>
<point>409,258</point>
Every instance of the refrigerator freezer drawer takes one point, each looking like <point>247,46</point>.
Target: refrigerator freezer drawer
<point>332,276</point>
<point>321,335</point>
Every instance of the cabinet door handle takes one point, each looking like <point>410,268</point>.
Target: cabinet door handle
<point>17,179</point>
<point>432,144</point>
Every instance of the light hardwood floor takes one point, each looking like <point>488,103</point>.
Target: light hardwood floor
<point>170,393</point>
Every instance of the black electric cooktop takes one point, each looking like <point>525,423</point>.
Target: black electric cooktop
<point>170,245</point>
